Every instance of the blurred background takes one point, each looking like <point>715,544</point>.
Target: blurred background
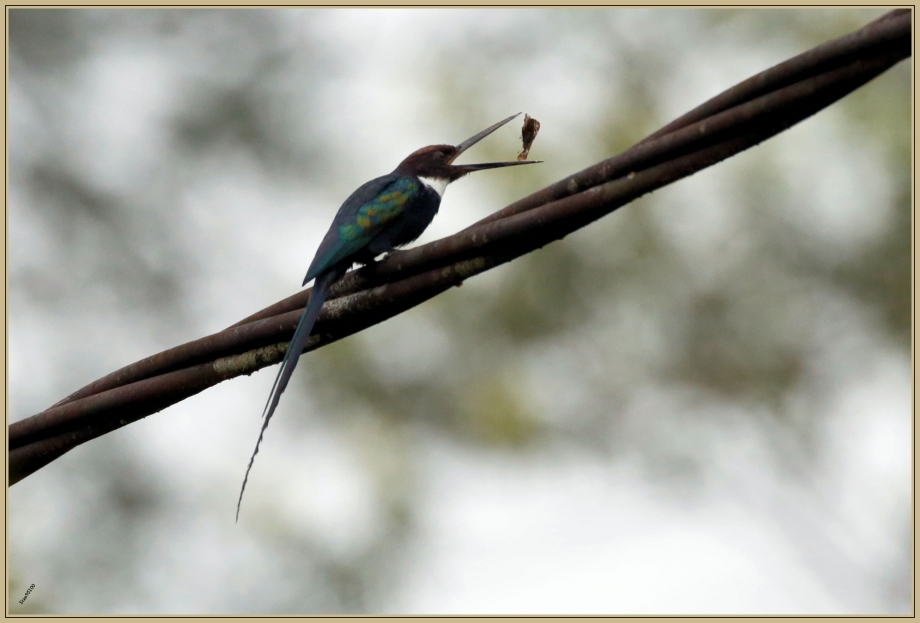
<point>699,404</point>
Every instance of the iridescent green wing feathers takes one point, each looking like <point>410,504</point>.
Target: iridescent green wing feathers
<point>363,216</point>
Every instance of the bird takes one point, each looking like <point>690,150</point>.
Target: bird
<point>385,213</point>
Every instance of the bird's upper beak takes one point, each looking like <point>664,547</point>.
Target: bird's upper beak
<point>462,147</point>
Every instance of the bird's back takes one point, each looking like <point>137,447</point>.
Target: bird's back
<point>381,214</point>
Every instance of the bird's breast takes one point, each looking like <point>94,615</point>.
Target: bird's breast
<point>419,211</point>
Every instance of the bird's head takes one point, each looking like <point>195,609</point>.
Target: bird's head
<point>435,162</point>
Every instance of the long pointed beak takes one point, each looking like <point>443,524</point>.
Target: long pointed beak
<point>462,147</point>
<point>469,168</point>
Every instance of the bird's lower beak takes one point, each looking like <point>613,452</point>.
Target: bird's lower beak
<point>462,147</point>
<point>469,168</point>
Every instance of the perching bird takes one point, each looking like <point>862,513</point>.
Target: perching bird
<point>385,213</point>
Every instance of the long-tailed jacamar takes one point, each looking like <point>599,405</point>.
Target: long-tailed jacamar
<point>385,213</point>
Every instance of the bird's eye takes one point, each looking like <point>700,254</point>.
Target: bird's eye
<point>439,155</point>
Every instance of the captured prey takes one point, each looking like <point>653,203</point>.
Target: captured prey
<point>385,213</point>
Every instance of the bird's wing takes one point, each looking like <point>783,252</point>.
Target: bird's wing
<point>369,211</point>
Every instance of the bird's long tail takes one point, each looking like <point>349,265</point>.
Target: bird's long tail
<point>295,349</point>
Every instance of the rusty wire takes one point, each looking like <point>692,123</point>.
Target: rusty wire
<point>733,121</point>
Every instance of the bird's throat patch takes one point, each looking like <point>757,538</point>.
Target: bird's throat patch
<point>437,184</point>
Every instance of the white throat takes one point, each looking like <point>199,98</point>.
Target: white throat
<point>437,184</point>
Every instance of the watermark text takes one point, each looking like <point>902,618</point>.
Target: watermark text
<point>26,596</point>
